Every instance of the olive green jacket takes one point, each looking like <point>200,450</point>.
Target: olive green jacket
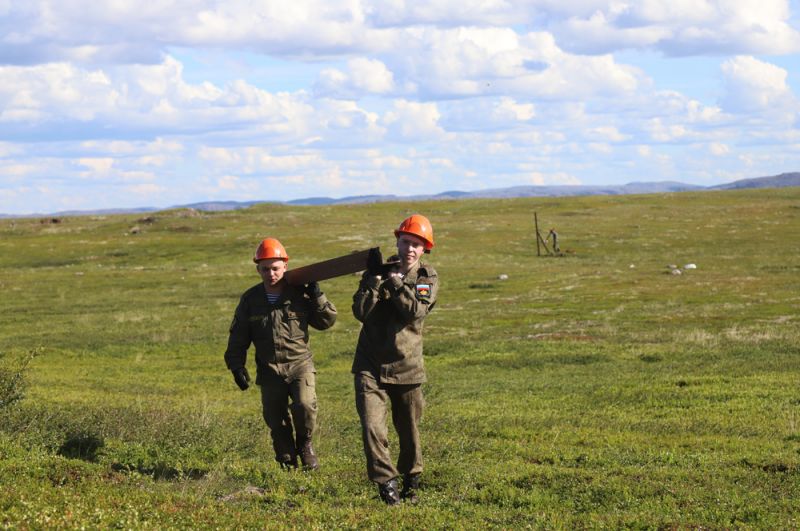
<point>279,332</point>
<point>392,311</point>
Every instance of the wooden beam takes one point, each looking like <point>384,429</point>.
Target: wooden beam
<point>335,267</point>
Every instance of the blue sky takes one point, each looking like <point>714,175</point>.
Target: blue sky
<point>124,104</point>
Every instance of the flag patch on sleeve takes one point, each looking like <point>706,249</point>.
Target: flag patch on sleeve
<point>423,291</point>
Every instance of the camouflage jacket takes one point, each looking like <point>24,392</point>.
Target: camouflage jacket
<point>279,332</point>
<point>392,311</point>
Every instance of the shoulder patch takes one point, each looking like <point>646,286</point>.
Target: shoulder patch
<point>423,291</point>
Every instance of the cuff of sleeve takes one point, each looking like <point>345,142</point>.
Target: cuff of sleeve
<point>396,282</point>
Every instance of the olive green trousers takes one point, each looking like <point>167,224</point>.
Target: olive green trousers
<point>407,403</point>
<point>289,432</point>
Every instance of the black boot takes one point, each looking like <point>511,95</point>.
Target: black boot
<point>287,461</point>
<point>410,488</point>
<point>388,492</point>
<point>307,456</point>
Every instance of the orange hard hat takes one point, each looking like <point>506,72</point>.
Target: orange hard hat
<point>419,226</point>
<point>270,248</point>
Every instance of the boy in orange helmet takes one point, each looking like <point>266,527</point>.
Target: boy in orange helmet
<point>388,364</point>
<point>275,317</point>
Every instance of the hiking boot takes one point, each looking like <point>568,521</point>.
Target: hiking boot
<point>307,456</point>
<point>410,488</point>
<point>388,492</point>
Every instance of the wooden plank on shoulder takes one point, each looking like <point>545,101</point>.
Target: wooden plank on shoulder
<point>335,267</point>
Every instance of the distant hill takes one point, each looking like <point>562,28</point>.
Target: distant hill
<point>513,191</point>
<point>775,181</point>
<point>214,206</point>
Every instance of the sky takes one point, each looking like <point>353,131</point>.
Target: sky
<point>122,103</point>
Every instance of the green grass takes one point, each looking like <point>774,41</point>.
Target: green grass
<point>585,391</point>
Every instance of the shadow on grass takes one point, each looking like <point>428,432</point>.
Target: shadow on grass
<point>81,446</point>
<point>88,447</point>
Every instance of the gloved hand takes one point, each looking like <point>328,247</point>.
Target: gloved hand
<point>312,290</point>
<point>375,262</point>
<point>392,267</point>
<point>241,377</point>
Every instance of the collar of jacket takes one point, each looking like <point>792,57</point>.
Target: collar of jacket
<point>286,296</point>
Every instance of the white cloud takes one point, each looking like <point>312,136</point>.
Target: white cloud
<point>18,170</point>
<point>755,86</point>
<point>393,13</point>
<point>370,75</point>
<point>553,179</point>
<point>607,133</point>
<point>56,90</point>
<point>123,31</point>
<point>389,162</point>
<point>718,149</point>
<point>97,165</point>
<point>600,147</point>
<point>153,160</point>
<point>473,61</point>
<point>121,148</point>
<point>661,132</point>
<point>681,27</point>
<point>507,107</point>
<point>410,120</point>
<point>145,99</point>
<point>486,114</point>
<point>699,113</point>
<point>363,76</point>
<point>256,160</point>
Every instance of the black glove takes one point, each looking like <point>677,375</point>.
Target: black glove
<point>312,290</point>
<point>375,262</point>
<point>241,377</point>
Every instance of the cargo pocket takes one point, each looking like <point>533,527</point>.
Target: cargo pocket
<point>308,392</point>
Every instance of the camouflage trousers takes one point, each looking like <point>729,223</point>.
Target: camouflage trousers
<point>289,432</point>
<point>406,402</point>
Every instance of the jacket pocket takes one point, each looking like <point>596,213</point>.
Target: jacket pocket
<point>296,324</point>
<point>259,327</point>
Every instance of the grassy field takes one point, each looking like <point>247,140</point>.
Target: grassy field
<point>593,390</point>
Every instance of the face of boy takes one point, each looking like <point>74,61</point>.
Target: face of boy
<point>271,271</point>
<point>409,249</point>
